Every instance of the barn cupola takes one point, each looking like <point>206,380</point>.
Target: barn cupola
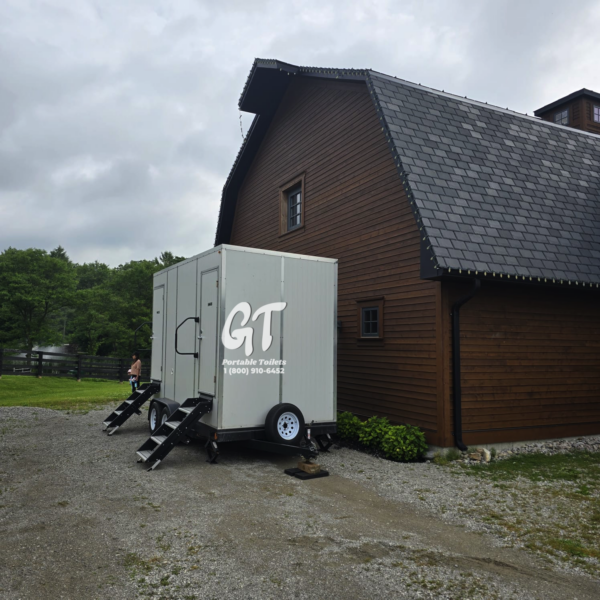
<point>580,110</point>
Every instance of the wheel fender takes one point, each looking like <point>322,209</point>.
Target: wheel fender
<point>170,405</point>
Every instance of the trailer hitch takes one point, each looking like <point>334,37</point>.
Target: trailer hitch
<point>307,452</point>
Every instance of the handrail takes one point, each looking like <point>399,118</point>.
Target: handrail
<point>196,320</point>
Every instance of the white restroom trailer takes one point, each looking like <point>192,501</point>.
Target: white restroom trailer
<point>255,331</point>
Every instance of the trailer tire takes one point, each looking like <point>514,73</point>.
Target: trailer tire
<point>164,415</point>
<point>154,416</point>
<point>285,424</point>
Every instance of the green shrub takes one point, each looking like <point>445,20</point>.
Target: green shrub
<point>403,442</point>
<point>348,426</point>
<point>372,432</point>
<point>398,442</point>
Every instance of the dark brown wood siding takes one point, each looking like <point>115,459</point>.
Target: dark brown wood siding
<point>356,211</point>
<point>530,362</point>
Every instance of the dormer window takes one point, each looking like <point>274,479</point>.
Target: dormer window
<point>562,117</point>
<point>580,109</point>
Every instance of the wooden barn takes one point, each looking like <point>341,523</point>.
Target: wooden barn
<point>468,239</point>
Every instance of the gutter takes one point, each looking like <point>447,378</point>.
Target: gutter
<point>456,373</point>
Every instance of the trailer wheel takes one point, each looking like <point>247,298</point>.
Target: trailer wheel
<point>285,424</point>
<point>164,415</point>
<point>154,417</point>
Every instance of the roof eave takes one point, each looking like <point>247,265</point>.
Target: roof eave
<point>265,85</point>
<point>456,275</point>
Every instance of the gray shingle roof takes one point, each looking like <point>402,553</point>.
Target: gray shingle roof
<point>496,191</point>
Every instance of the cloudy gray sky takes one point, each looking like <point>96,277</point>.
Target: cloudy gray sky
<point>119,119</point>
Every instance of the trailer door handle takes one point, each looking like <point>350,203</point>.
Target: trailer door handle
<point>194,354</point>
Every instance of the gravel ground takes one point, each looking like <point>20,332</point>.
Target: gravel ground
<point>591,443</point>
<point>79,518</point>
<point>516,514</point>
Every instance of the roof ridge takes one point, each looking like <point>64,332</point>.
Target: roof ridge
<point>358,72</point>
<point>482,104</point>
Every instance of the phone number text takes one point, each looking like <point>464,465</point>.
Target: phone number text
<point>253,371</point>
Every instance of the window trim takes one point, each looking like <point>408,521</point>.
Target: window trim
<point>367,303</point>
<point>284,191</point>
<point>561,112</point>
<point>595,107</point>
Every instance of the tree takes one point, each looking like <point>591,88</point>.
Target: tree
<point>93,274</point>
<point>92,321</point>
<point>59,320</point>
<point>131,291</point>
<point>34,287</point>
<point>45,298</point>
<point>167,259</point>
<point>60,253</point>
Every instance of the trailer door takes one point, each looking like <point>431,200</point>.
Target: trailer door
<point>158,323</point>
<point>209,300</point>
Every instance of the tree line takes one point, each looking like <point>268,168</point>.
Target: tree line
<point>47,299</point>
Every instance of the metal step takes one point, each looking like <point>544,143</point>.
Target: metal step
<point>130,406</point>
<point>144,454</point>
<point>156,447</point>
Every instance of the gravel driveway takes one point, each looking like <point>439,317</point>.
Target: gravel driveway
<point>79,518</point>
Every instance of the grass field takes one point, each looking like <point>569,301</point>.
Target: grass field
<point>60,393</point>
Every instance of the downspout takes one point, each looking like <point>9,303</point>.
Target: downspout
<point>456,387</point>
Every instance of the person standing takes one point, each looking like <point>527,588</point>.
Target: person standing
<point>135,372</point>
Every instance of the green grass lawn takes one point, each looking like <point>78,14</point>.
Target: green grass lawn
<point>60,393</point>
<point>581,468</point>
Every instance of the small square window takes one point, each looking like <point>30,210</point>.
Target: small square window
<point>370,321</point>
<point>597,114</point>
<point>370,318</point>
<point>291,205</point>
<point>562,117</point>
